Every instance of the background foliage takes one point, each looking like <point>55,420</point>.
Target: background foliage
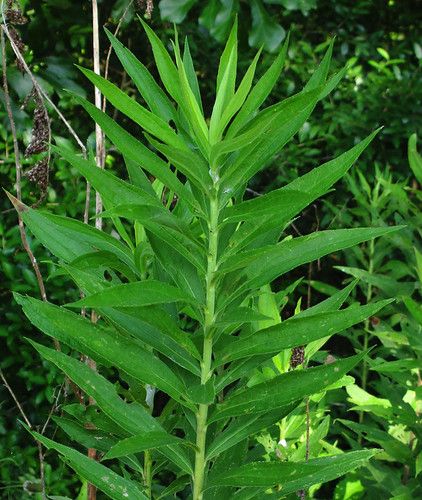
<point>381,43</point>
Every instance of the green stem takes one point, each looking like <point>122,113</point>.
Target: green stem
<point>206,371</point>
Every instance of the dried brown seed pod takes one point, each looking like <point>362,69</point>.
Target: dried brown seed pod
<point>298,356</point>
<point>15,16</point>
<point>40,130</point>
<point>39,174</point>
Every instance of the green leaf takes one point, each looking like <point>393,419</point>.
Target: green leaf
<point>292,476</point>
<point>137,152</point>
<point>260,92</point>
<point>166,67</point>
<point>111,188</point>
<point>166,227</point>
<point>296,331</point>
<point>283,201</point>
<point>243,427</point>
<point>415,159</point>
<point>228,64</point>
<point>138,294</point>
<point>175,10</point>
<point>190,73</point>
<point>283,389</point>
<point>133,417</point>
<point>140,115</point>
<point>283,121</point>
<point>414,308</point>
<point>312,185</point>
<point>156,99</point>
<point>265,30</point>
<point>142,442</point>
<point>67,238</point>
<point>265,264</point>
<point>113,485</point>
<point>235,103</point>
<point>191,108</point>
<point>102,344</point>
<point>189,163</point>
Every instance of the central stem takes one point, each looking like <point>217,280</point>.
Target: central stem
<point>206,371</point>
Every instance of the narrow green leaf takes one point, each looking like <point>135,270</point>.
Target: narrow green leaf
<point>113,485</point>
<point>235,103</point>
<point>166,67</point>
<point>133,417</point>
<point>189,163</point>
<point>260,92</point>
<point>156,99</point>
<point>296,331</point>
<point>191,108</point>
<point>102,344</point>
<point>142,442</point>
<point>283,389</point>
<point>243,427</point>
<point>265,264</point>
<point>67,238</point>
<point>133,110</point>
<point>229,50</point>
<point>191,74</point>
<point>138,152</point>
<point>292,476</point>
<point>138,294</point>
<point>166,227</point>
<point>111,188</point>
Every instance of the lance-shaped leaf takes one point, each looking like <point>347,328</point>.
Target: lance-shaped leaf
<point>113,485</point>
<point>165,226</point>
<point>284,389</point>
<point>132,418</point>
<point>189,163</point>
<point>260,92</point>
<point>166,67</point>
<point>146,119</point>
<point>235,103</point>
<point>291,114</point>
<point>103,344</point>
<point>156,99</point>
<point>191,73</point>
<point>138,294</point>
<point>136,151</point>
<point>111,188</point>
<point>243,427</point>
<point>295,332</point>
<point>292,198</point>
<point>291,476</point>
<point>142,442</point>
<point>265,264</point>
<point>156,328</point>
<point>67,238</point>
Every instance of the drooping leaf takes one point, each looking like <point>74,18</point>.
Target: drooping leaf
<point>102,344</point>
<point>133,417</point>
<point>113,485</point>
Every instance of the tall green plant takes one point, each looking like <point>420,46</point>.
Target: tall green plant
<point>177,292</point>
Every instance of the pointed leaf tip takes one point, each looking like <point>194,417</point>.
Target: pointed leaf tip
<point>19,206</point>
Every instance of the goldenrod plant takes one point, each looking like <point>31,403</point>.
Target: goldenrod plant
<point>176,293</point>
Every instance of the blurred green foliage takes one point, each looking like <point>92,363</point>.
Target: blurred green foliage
<point>379,41</point>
